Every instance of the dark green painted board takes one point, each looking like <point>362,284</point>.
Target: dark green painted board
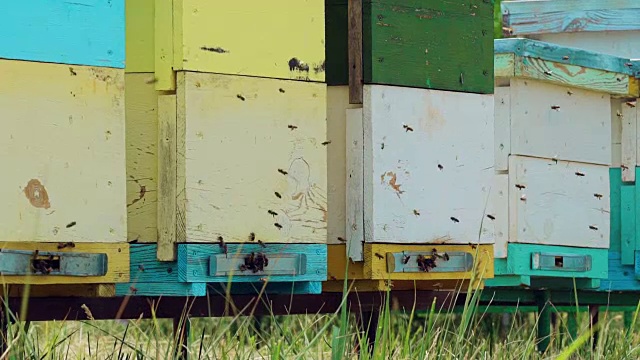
<point>445,45</point>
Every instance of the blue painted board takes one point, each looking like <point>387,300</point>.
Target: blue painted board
<point>519,261</point>
<point>627,223</point>
<point>544,17</point>
<point>621,277</point>
<point>150,277</point>
<point>566,55</point>
<point>78,32</point>
<point>194,262</point>
<point>637,212</point>
<point>276,288</point>
<point>615,195</point>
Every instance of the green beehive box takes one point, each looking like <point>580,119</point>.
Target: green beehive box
<point>434,44</point>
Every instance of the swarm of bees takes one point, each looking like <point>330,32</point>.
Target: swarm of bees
<point>41,265</point>
<point>428,263</point>
<point>255,262</point>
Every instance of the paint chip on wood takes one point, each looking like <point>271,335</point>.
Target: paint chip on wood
<point>37,194</point>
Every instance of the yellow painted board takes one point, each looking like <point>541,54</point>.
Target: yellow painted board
<point>337,261</point>
<point>141,111</point>
<point>256,38</point>
<point>81,290</point>
<point>62,153</point>
<point>164,43</point>
<point>117,266</point>
<point>139,45</point>
<point>375,265</point>
<point>253,158</point>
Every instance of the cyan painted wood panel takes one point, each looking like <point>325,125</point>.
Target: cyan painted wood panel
<point>281,288</point>
<point>194,262</point>
<point>621,277</point>
<point>540,17</point>
<point>519,261</point>
<point>79,32</point>
<point>150,277</point>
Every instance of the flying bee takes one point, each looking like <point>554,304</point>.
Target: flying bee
<point>282,172</point>
<point>277,226</point>
<point>407,128</point>
<point>566,57</point>
<point>252,236</point>
<point>491,217</point>
<point>326,142</point>
<point>416,212</point>
<point>278,195</point>
<point>520,187</point>
<point>405,259</point>
<point>555,107</point>
<point>240,97</point>
<point>592,227</point>
<point>292,127</point>
<point>379,256</point>
<point>598,196</point>
<point>222,244</point>
<point>261,244</point>
<point>578,173</point>
<point>341,239</point>
<point>631,103</point>
<point>548,72</point>
<point>455,220</point>
<point>65,245</point>
<point>272,213</point>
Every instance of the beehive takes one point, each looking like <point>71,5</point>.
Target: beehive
<point>62,92</point>
<point>554,128</point>
<point>226,150</point>
<point>398,190</point>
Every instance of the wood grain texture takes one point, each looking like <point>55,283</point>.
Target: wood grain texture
<point>502,127</point>
<point>519,261</point>
<point>376,268</point>
<point>624,44</point>
<point>615,188</point>
<point>64,291</point>
<point>164,43</point>
<point>140,38</point>
<point>536,17</point>
<point>355,185</point>
<point>271,288</point>
<point>141,112</point>
<point>557,122</point>
<point>216,37</point>
<point>82,32</point>
<point>558,202</point>
<point>431,181</point>
<point>150,277</point>
<point>629,146</point>
<point>620,277</point>
<point>252,146</point>
<point>337,105</point>
<point>401,46</point>
<point>193,262</point>
<point>616,132</point>
<point>63,151</point>
<point>356,79</point>
<point>117,265</point>
<point>578,55</point>
<point>500,212</point>
<point>167,177</point>
<point>504,65</point>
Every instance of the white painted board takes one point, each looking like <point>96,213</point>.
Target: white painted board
<point>552,121</point>
<point>428,165</point>
<point>355,185</point>
<point>500,198</point>
<point>502,127</point>
<point>558,203</point>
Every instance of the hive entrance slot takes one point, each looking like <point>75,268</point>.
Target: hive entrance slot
<point>559,261</point>
<point>45,264</point>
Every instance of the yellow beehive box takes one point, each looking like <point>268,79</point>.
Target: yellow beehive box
<point>277,39</point>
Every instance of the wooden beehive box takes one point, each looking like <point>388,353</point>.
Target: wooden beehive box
<point>63,148</point>
<point>425,44</point>
<point>613,29</point>
<point>558,113</point>
<point>233,156</point>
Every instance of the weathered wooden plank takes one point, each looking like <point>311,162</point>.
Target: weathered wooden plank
<point>628,223</point>
<point>255,159</point>
<point>565,55</point>
<point>164,44</point>
<point>417,134</point>
<point>140,36</point>
<point>621,277</point>
<point>629,146</point>
<point>539,17</point>
<point>401,49</point>
<point>558,203</point>
<point>213,37</point>
<point>502,127</point>
<point>67,290</point>
<point>616,133</point>
<point>194,261</point>
<point>616,43</point>
<point>271,288</point>
<point>167,177</point>
<point>161,289</point>
<point>520,262</point>
<point>63,153</point>
<point>504,65</point>
<point>141,112</point>
<point>117,263</point>
<point>356,79</point>
<point>360,286</point>
<point>375,264</point>
<point>337,105</point>
<point>83,32</point>
<point>355,185</point>
<point>560,123</point>
<point>500,192</point>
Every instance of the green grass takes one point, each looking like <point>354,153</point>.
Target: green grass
<point>401,334</point>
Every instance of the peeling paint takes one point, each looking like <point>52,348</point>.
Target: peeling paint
<point>37,194</point>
